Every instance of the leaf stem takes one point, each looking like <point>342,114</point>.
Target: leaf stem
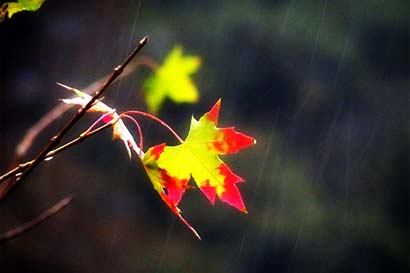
<point>98,120</point>
<point>141,144</point>
<point>157,119</point>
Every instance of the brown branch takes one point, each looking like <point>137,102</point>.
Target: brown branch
<point>147,61</point>
<point>54,141</point>
<point>60,109</point>
<point>36,221</point>
<point>17,171</point>
<point>32,133</point>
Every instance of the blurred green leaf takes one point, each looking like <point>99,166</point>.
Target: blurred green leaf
<point>22,5</point>
<point>172,80</point>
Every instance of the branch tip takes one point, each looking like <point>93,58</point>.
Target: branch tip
<point>64,86</point>
<point>144,40</point>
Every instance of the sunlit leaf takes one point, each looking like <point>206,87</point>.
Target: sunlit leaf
<point>171,167</point>
<point>172,80</point>
<point>120,131</point>
<point>23,5</point>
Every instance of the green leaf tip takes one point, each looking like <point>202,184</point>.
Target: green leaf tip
<point>11,8</point>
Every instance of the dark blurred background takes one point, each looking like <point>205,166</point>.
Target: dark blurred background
<point>322,85</point>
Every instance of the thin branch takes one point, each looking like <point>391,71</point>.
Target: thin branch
<point>32,133</point>
<point>146,61</point>
<point>60,109</point>
<point>54,141</point>
<point>36,221</point>
<point>149,62</point>
<point>79,139</point>
<point>17,171</point>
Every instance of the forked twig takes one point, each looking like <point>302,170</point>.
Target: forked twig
<point>17,171</point>
<point>60,109</point>
<point>32,133</point>
<point>54,141</point>
<point>36,221</point>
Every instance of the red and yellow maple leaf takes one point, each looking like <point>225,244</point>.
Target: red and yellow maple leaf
<point>171,167</point>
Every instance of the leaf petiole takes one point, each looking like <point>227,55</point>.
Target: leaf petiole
<point>97,121</point>
<point>157,119</point>
<point>141,144</point>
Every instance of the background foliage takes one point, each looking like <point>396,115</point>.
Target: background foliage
<point>322,85</point>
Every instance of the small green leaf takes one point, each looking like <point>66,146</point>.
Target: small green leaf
<point>22,5</point>
<point>172,80</point>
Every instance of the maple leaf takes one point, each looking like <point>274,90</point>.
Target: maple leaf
<point>22,5</point>
<point>120,131</point>
<point>172,80</point>
<point>171,167</point>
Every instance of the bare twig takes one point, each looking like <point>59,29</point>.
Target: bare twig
<point>60,109</point>
<point>17,171</point>
<point>54,141</point>
<point>33,132</point>
<point>131,67</point>
<point>36,221</point>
